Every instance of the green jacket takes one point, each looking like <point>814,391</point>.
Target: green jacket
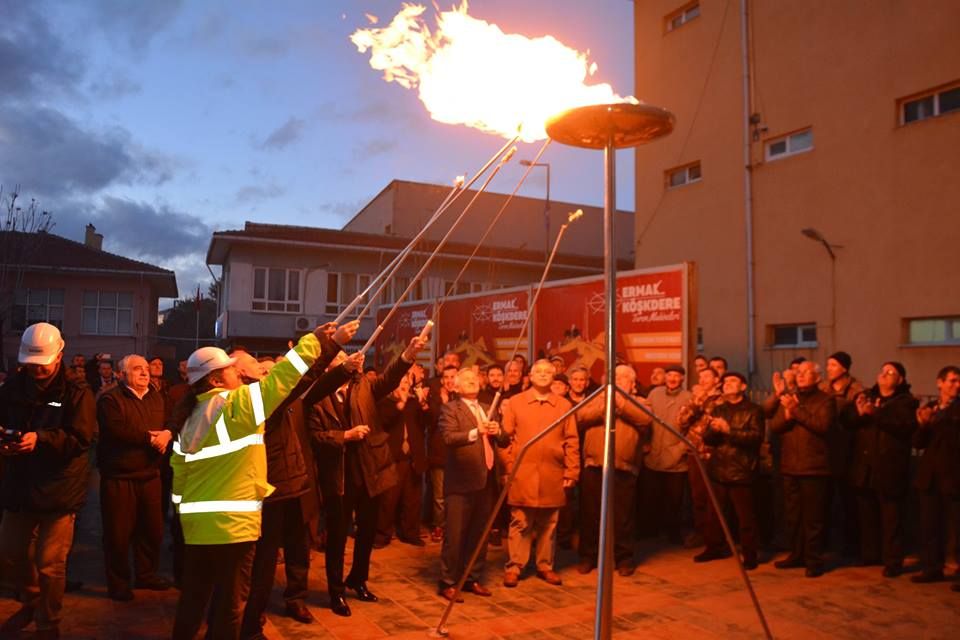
<point>219,460</point>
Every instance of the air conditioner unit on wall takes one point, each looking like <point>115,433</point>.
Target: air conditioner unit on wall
<point>305,323</point>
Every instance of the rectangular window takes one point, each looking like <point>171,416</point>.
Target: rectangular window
<point>793,335</point>
<point>36,305</point>
<point>681,176</point>
<point>343,288</point>
<point>931,105</point>
<point>789,145</point>
<point>107,313</point>
<point>333,292</point>
<point>934,331</point>
<point>681,16</point>
<point>276,290</point>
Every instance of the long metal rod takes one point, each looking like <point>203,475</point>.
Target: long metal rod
<point>451,199</point>
<point>413,282</point>
<point>748,194</point>
<point>493,222</point>
<point>440,631</point>
<point>604,609</point>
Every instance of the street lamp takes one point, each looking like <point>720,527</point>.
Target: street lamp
<point>816,236</point>
<point>546,206</point>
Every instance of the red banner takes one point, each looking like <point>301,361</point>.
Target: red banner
<point>407,322</point>
<point>483,328</point>
<point>570,321</point>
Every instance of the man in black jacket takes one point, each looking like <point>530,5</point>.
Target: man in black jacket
<point>938,475</point>
<point>49,423</point>
<point>734,435</point>
<point>132,444</point>
<point>803,420</point>
<point>885,422</point>
<point>355,468</point>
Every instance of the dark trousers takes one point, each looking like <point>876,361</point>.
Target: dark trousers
<point>282,523</point>
<point>741,496</point>
<point>567,519</point>
<point>131,515</point>
<point>938,514</point>
<point>401,504</point>
<point>226,566</point>
<point>881,528</point>
<point>805,508</point>
<point>664,490</point>
<point>356,503</point>
<point>842,515</point>
<point>466,515</point>
<point>624,497</point>
<point>699,499</point>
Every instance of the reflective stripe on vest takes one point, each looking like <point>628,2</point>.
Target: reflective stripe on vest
<point>230,446</point>
<point>218,506</point>
<point>223,436</point>
<point>175,499</point>
<point>256,398</point>
<point>294,358</point>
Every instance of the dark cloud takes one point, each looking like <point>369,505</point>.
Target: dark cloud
<point>35,61</point>
<point>114,85</point>
<point>285,135</point>
<point>133,25</point>
<point>341,210</point>
<point>266,46</point>
<point>50,154</point>
<point>374,148</point>
<point>257,193</point>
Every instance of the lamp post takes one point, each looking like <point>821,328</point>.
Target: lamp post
<point>546,206</point>
<point>816,236</point>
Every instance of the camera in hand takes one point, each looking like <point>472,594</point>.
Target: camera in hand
<point>10,436</point>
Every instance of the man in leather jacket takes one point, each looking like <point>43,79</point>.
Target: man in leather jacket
<point>735,433</point>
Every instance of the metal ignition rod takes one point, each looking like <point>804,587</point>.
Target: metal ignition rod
<point>443,241</point>
<point>496,218</point>
<point>574,216</point>
<point>440,630</point>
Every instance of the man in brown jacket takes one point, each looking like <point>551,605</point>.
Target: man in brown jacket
<point>632,428</point>
<point>548,467</point>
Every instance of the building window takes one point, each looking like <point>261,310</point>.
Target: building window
<point>793,335</point>
<point>276,289</point>
<point>789,145</point>
<point>107,313</point>
<point>343,288</point>
<point>934,103</point>
<point>681,16</point>
<point>934,331</point>
<point>36,305</point>
<point>683,175</point>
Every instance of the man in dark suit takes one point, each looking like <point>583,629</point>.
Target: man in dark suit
<point>354,468</point>
<point>469,482</point>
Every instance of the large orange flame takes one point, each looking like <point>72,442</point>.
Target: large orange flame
<point>468,71</point>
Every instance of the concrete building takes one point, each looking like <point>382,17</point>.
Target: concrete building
<point>827,133</point>
<point>102,302</point>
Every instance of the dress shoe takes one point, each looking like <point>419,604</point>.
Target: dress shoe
<point>154,584</point>
<point>550,577</point>
<point>892,571</point>
<point>923,578</point>
<point>19,620</point>
<point>585,566</point>
<point>711,554</point>
<point>813,572</point>
<point>380,543</point>
<point>790,562</point>
<point>511,578</point>
<point>363,594</point>
<point>122,595</point>
<point>338,604</point>
<point>450,594</point>
<point>477,589</point>
<point>299,612</point>
<point>693,540</point>
<point>626,569</point>
<point>416,542</point>
<point>750,563</point>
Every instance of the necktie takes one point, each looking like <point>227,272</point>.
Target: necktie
<point>487,449</point>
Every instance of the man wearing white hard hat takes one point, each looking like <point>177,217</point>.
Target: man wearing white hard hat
<point>48,423</point>
<point>220,475</point>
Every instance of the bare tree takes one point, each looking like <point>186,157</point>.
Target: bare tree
<point>19,242</point>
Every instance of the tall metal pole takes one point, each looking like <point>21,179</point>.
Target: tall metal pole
<point>604,611</point>
<point>748,194</point>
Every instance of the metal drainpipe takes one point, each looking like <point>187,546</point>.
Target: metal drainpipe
<point>748,194</point>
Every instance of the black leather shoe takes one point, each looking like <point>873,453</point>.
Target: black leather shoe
<point>416,542</point>
<point>338,604</point>
<point>299,612</point>
<point>790,562</point>
<point>813,572</point>
<point>709,555</point>
<point>363,594</point>
<point>892,571</point>
<point>923,578</point>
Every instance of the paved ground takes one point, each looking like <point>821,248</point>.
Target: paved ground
<point>668,597</point>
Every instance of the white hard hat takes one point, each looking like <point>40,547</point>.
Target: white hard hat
<point>207,359</point>
<point>40,344</point>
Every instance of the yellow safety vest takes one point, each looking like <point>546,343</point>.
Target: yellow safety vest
<point>220,476</point>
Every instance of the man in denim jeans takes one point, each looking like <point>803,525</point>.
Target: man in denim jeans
<point>48,423</point>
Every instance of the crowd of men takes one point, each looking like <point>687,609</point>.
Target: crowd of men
<point>246,456</point>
